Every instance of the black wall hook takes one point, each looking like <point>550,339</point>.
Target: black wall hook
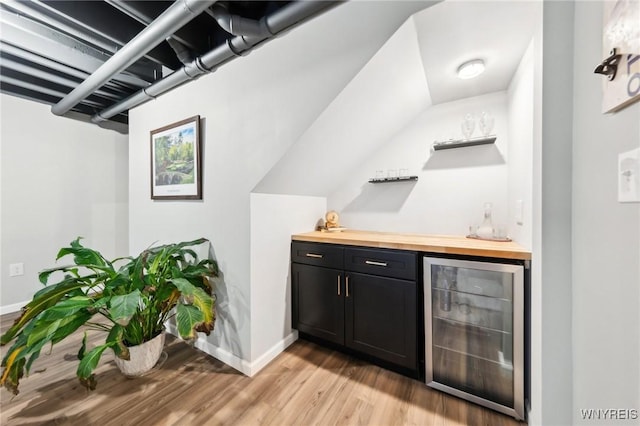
<point>609,66</point>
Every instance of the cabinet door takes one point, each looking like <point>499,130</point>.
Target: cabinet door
<point>380,315</point>
<point>318,302</point>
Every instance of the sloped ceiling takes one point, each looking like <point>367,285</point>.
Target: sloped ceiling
<point>415,69</point>
<point>374,105</point>
<point>453,32</point>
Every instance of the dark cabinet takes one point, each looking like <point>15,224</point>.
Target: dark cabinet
<point>365,300</point>
<point>319,306</point>
<point>380,316</point>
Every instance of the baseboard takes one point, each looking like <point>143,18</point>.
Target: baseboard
<point>243,366</point>
<point>220,354</point>
<point>273,352</point>
<point>9,309</point>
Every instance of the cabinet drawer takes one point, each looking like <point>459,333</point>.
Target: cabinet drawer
<point>386,263</point>
<point>317,254</point>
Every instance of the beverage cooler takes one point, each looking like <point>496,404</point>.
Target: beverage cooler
<point>474,324</point>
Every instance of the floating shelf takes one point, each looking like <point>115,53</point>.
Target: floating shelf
<point>437,146</point>
<point>393,179</point>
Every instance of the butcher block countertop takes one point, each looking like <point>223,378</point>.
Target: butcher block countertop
<point>448,244</point>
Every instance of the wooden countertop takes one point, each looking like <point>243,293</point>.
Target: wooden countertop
<point>448,244</point>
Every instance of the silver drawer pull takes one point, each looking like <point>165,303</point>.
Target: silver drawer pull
<point>317,256</point>
<point>371,262</point>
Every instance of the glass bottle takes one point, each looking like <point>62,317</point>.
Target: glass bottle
<point>485,230</point>
<point>448,283</point>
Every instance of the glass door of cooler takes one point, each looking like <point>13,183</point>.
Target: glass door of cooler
<point>474,324</point>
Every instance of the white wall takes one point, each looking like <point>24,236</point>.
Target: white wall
<point>535,339</point>
<point>520,137</point>
<point>253,110</point>
<point>452,185</point>
<point>552,389</point>
<point>385,94</point>
<point>274,218</point>
<point>606,243</point>
<point>61,179</point>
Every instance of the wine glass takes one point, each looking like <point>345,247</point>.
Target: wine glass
<point>468,125</point>
<point>486,123</point>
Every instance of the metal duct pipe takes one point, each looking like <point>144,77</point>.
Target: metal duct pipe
<point>237,25</point>
<point>296,12</point>
<point>279,21</point>
<point>182,52</point>
<point>178,14</point>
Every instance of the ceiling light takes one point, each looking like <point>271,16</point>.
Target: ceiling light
<point>471,69</point>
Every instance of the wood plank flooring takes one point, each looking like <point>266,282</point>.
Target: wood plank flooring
<point>305,385</point>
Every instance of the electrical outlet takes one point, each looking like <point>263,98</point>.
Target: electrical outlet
<point>16,269</point>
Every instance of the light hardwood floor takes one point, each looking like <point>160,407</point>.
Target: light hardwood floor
<point>305,385</point>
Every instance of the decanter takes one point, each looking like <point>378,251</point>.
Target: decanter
<point>485,230</point>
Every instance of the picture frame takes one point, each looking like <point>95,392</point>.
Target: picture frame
<point>176,164</point>
<point>621,31</point>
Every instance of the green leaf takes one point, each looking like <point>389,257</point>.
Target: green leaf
<point>98,272</point>
<point>115,338</point>
<point>70,325</point>
<point>90,361</point>
<point>82,255</point>
<point>40,302</point>
<point>35,354</point>
<point>200,300</point>
<point>187,318</point>
<point>43,332</point>
<point>184,286</point>
<point>123,307</point>
<point>59,328</point>
<point>133,333</point>
<point>67,307</point>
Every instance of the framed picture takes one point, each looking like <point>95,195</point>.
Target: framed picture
<point>175,161</point>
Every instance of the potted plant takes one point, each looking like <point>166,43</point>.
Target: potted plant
<point>130,303</point>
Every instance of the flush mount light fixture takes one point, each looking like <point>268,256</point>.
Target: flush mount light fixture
<point>471,69</point>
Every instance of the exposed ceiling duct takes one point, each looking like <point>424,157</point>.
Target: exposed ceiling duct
<point>84,57</point>
<point>178,14</point>
<point>237,25</point>
<point>258,32</point>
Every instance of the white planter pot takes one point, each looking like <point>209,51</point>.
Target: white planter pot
<point>142,357</point>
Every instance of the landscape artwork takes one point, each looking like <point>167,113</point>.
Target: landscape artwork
<point>175,161</point>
